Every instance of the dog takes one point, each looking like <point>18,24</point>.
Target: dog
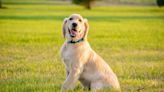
<point>81,62</point>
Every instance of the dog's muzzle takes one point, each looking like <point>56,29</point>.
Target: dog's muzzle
<point>73,32</point>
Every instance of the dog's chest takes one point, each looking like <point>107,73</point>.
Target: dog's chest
<point>69,55</point>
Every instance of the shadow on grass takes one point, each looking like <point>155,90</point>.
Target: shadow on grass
<point>93,18</point>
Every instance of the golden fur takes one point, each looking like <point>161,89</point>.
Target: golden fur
<point>81,62</point>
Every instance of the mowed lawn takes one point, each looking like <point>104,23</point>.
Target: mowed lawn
<point>130,39</point>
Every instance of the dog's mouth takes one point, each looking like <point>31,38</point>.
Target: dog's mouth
<point>73,32</point>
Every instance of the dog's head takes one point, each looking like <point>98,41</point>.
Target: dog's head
<point>75,27</point>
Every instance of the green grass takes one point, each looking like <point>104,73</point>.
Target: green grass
<point>130,39</point>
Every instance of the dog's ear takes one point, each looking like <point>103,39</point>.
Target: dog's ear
<point>64,27</point>
<point>86,25</point>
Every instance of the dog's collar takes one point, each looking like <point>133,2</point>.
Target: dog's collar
<point>74,42</point>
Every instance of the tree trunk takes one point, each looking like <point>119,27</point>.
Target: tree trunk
<point>88,5</point>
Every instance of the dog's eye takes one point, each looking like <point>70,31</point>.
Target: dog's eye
<point>71,19</point>
<point>80,20</point>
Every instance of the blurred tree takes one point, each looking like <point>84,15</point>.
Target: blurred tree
<point>86,3</point>
<point>160,3</point>
<point>0,4</point>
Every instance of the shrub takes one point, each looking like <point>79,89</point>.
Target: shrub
<point>160,3</point>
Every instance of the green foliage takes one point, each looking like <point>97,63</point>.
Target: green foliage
<point>77,1</point>
<point>81,1</point>
<point>86,3</point>
<point>1,4</point>
<point>160,2</point>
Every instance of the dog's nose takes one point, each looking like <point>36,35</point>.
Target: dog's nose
<point>74,24</point>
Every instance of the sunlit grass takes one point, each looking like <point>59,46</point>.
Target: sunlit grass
<point>130,39</point>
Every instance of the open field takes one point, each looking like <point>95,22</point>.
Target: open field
<point>130,39</point>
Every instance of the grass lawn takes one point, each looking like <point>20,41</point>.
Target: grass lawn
<point>130,39</point>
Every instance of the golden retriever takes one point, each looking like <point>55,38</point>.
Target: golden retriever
<point>81,62</point>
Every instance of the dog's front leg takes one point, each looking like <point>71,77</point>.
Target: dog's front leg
<point>73,76</point>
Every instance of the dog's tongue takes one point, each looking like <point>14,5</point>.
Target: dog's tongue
<point>73,33</point>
